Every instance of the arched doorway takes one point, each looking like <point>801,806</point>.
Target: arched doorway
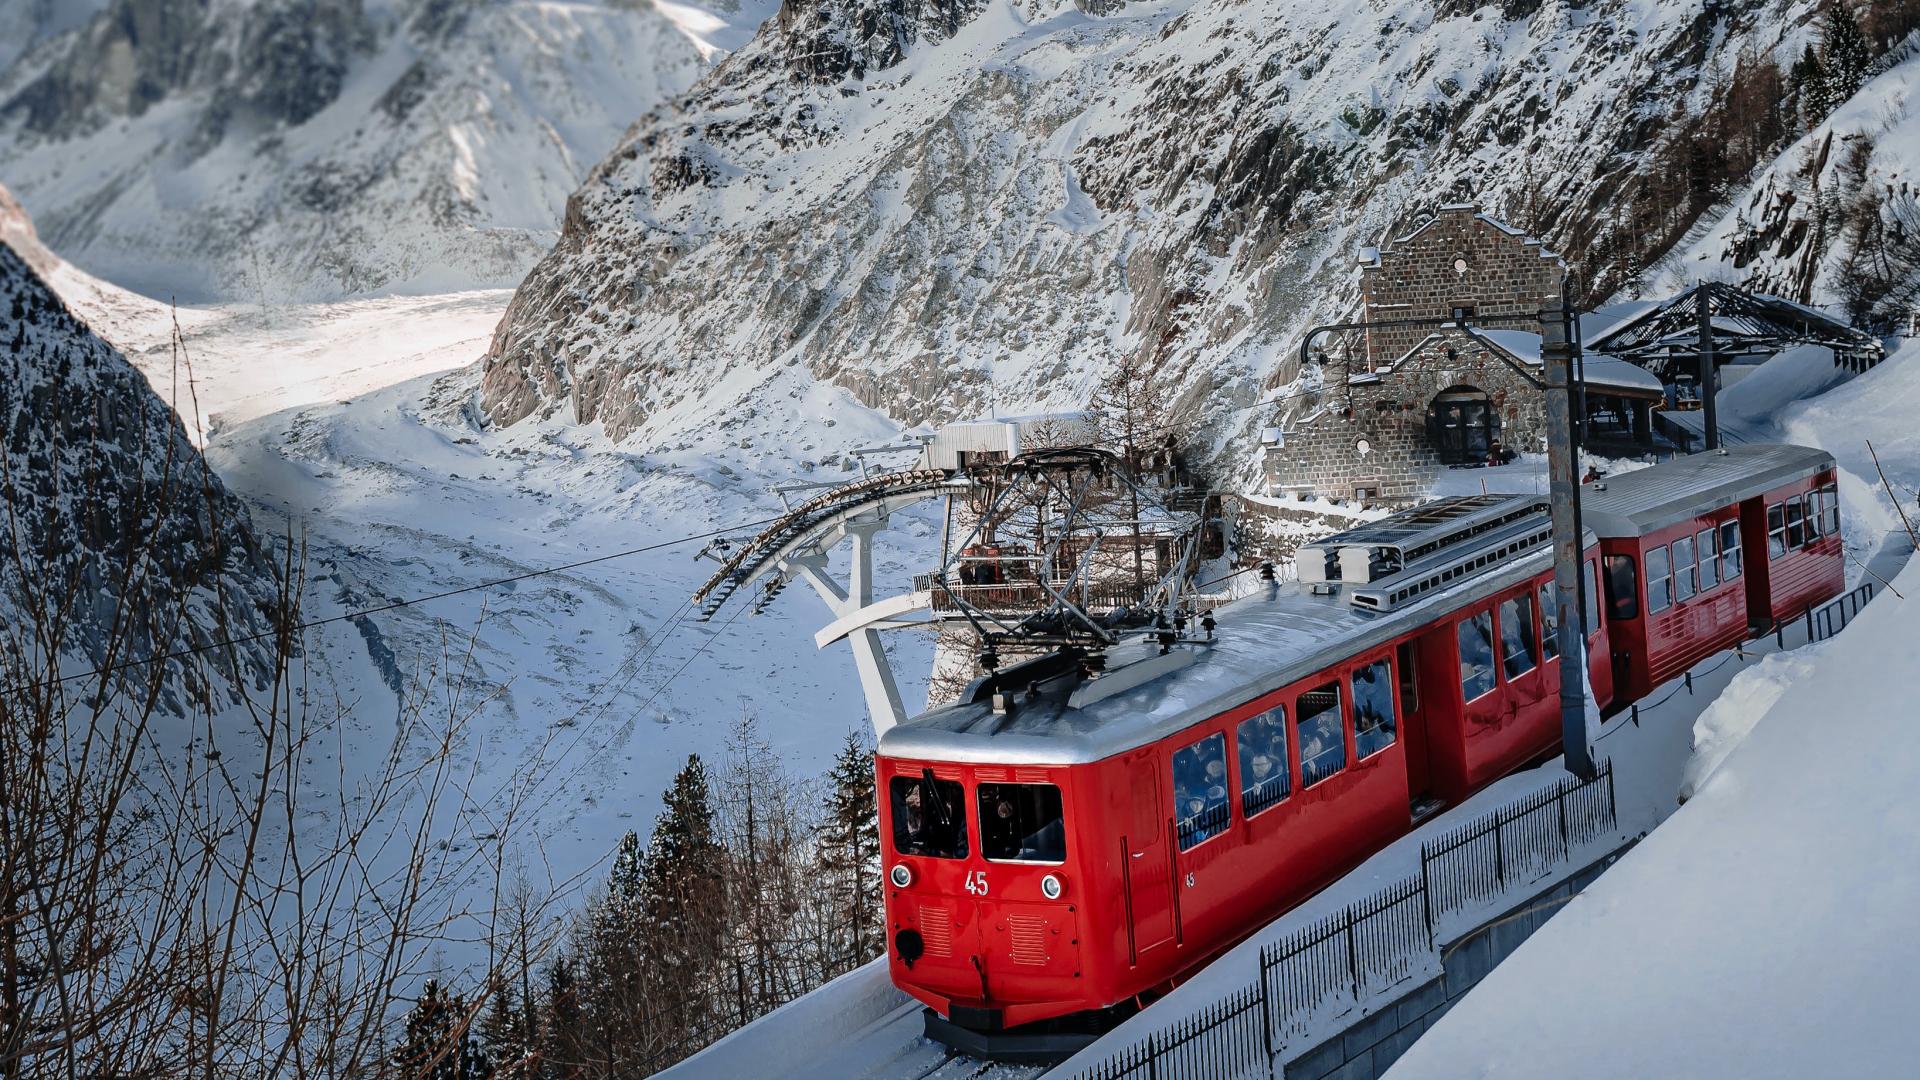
<point>1463,425</point>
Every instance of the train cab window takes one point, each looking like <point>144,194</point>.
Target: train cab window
<point>1729,550</point>
<point>1830,511</point>
<point>1022,823</point>
<point>1200,790</point>
<point>1265,778</point>
<point>929,816</point>
<point>1623,588</point>
<point>1518,653</point>
<point>1776,531</point>
<point>1476,655</point>
<point>1323,736</point>
<point>1659,580</point>
<point>1549,621</point>
<point>1685,583</point>
<point>1706,544</point>
<point>1373,720</point>
<point>1796,524</point>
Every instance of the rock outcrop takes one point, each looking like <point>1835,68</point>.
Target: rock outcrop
<point>271,150</point>
<point>120,543</point>
<point>948,206</point>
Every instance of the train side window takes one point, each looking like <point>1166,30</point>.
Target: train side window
<point>1812,512</point>
<point>1476,655</point>
<point>929,816</point>
<point>1729,550</point>
<point>1830,510</point>
<point>1776,531</point>
<point>1200,790</point>
<point>1623,588</point>
<point>1323,737</point>
<point>1518,653</point>
<point>1373,720</point>
<point>1549,621</point>
<point>1265,779</point>
<point>1022,823</point>
<point>1685,583</point>
<point>1706,544</point>
<point>1659,580</point>
<point>1796,525</point>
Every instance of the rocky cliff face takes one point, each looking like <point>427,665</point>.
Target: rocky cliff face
<point>952,205</point>
<point>269,150</point>
<point>118,534</point>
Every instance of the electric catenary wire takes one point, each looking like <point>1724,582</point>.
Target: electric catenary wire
<point>394,605</point>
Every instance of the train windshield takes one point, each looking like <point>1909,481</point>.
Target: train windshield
<point>1022,823</point>
<point>929,816</point>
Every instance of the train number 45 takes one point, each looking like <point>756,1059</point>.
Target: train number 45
<point>977,883</point>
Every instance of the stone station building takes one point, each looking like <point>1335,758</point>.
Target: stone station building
<point>1461,388</point>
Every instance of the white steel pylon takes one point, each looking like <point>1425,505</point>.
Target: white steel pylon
<point>849,604</point>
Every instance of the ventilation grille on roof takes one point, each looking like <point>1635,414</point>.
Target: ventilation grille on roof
<point>1450,567</point>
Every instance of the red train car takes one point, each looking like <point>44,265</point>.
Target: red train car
<point>1062,845</point>
<point>1706,551</point>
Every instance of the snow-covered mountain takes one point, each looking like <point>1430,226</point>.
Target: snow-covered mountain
<point>270,150</point>
<point>122,542</point>
<point>950,205</point>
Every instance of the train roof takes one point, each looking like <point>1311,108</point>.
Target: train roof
<point>1648,500</point>
<point>1263,642</point>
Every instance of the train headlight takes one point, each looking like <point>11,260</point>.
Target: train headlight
<point>1051,887</point>
<point>900,876</point>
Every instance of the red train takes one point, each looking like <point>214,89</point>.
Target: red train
<point>1060,847</point>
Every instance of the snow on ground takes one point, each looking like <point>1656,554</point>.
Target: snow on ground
<point>349,425</point>
<point>1767,928</point>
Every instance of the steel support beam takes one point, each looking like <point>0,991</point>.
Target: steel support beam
<point>1708,381</point>
<point>884,706</point>
<point>1557,345</point>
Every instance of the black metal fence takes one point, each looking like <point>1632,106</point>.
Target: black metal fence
<point>1476,862</point>
<point>1834,617</point>
<point>1345,958</point>
<point>1227,1040</point>
<point>1341,960</point>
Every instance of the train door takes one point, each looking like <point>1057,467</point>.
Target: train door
<point>1757,567</point>
<point>1146,867</point>
<point>1416,740</point>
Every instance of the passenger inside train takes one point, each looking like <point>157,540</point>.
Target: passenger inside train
<point>1022,823</point>
<point>928,817</point>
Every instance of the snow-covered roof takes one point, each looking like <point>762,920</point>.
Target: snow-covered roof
<point>1605,372</point>
<point>1647,500</point>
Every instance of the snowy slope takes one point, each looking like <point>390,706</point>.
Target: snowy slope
<point>1789,233</point>
<point>1766,929</point>
<point>593,685</point>
<point>267,150</point>
<point>996,204</point>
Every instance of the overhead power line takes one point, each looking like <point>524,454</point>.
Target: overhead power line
<point>180,654</point>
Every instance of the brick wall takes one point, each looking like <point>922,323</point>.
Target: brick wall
<point>1508,280</point>
<point>1321,456</point>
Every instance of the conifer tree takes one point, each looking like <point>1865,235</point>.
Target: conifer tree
<point>436,1043</point>
<point>1844,55</point>
<point>561,1043</point>
<point>848,859</point>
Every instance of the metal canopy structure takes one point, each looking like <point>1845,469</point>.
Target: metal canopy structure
<point>1689,337</point>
